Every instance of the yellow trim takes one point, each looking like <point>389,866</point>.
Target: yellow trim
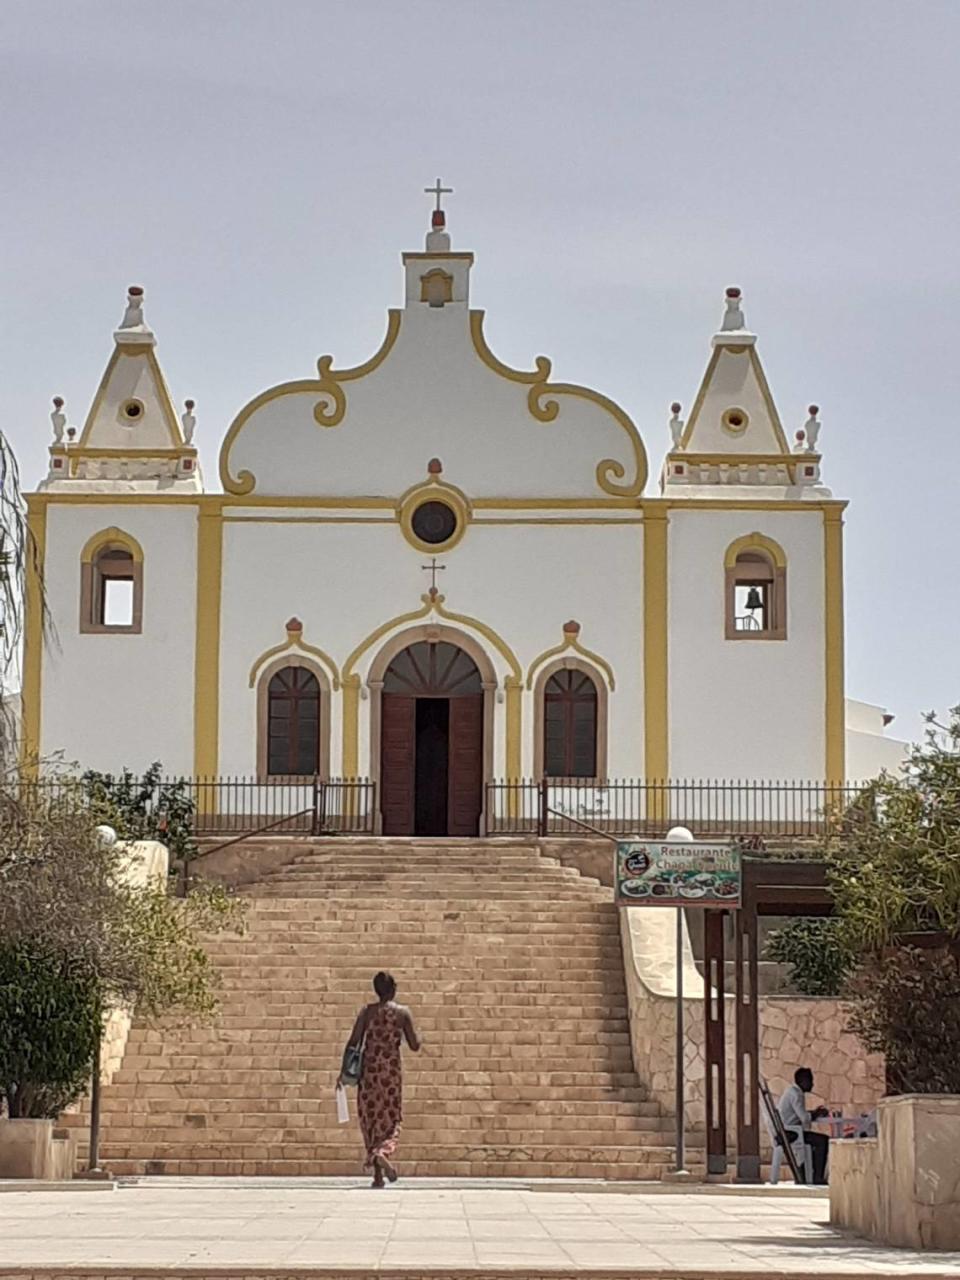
<point>608,471</point>
<point>656,757</point>
<point>435,604</point>
<point>295,641</point>
<point>571,640</point>
<point>760,376</point>
<point>434,489</point>
<point>350,762</point>
<point>111,537</point>
<point>184,451</point>
<point>755,542</point>
<point>206,694</point>
<point>327,385</point>
<point>32,682</point>
<point>835,701</point>
<point>163,395</point>
<point>514,731</point>
<point>744,459</point>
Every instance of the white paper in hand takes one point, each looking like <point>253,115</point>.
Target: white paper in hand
<point>343,1110</point>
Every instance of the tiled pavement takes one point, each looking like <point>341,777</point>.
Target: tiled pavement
<point>204,1227</point>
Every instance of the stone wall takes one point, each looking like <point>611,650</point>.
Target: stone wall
<point>794,1030</point>
<point>903,1187</point>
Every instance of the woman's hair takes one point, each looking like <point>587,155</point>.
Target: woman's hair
<point>384,984</point>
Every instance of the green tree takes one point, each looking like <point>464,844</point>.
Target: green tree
<point>894,865</point>
<point>68,902</point>
<point>815,952</point>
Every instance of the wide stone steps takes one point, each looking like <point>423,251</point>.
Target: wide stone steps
<point>512,965</point>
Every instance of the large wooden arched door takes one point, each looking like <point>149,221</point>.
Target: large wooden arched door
<point>431,742</point>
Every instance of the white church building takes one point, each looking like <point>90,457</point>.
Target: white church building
<point>338,606</point>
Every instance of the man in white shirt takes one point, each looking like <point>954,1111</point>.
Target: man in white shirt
<point>797,1119</point>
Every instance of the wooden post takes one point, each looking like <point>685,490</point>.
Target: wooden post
<point>748,1043</point>
<point>715,1041</point>
<point>93,1160</point>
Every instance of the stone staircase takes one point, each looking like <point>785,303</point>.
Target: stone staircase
<point>512,966</point>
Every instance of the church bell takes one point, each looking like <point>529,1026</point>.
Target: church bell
<point>754,599</point>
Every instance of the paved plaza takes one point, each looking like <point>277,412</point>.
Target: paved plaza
<point>208,1226</point>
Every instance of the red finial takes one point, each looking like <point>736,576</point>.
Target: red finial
<point>801,434</point>
<point>676,407</point>
<point>571,628</point>
<point>733,292</point>
<point>813,410</point>
<point>58,402</point>
<point>439,220</point>
<point>434,467</point>
<point>294,624</point>
<point>189,405</point>
<point>136,291</point>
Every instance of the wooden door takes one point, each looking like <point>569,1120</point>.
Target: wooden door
<point>398,730</point>
<point>465,793</point>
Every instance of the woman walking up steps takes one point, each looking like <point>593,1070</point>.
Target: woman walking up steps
<point>378,1031</point>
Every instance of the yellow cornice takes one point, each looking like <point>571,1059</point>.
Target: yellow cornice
<point>326,386</point>
<point>743,459</point>
<point>295,643</point>
<point>434,603</point>
<point>570,643</point>
<point>608,471</point>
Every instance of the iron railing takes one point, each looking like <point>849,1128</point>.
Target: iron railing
<point>234,806</point>
<point>628,806</point>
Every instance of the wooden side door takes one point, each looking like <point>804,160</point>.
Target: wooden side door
<point>465,784</point>
<point>398,741</point>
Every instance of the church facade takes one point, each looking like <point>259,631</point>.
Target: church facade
<point>436,571</point>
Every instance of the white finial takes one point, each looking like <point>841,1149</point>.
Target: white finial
<point>188,421</point>
<point>59,420</point>
<point>733,316</point>
<point>676,425</point>
<point>133,316</point>
<point>812,427</point>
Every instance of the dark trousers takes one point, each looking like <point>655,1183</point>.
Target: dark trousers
<point>819,1145</point>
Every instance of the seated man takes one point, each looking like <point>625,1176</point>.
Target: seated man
<point>797,1119</point>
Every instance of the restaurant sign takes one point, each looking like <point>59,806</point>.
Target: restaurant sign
<point>668,873</point>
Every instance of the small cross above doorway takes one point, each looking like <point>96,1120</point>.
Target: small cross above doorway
<point>433,569</point>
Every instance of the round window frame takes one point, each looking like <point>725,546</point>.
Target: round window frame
<point>731,428</point>
<point>450,497</point>
<point>125,417</point>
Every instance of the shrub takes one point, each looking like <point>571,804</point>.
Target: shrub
<point>815,953</point>
<point>50,1022</point>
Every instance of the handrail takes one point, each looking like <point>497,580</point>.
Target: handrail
<point>567,817</point>
<point>246,835</point>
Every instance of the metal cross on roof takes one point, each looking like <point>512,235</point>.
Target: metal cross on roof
<point>438,191</point>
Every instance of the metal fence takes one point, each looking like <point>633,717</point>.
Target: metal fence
<point>293,806</point>
<point>235,806</point>
<point>627,806</point>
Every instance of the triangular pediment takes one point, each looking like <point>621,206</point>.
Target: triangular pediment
<point>734,412</point>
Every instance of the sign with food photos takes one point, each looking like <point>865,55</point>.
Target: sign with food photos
<point>666,873</point>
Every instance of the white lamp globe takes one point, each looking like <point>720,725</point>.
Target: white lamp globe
<point>107,836</point>
<point>680,834</point>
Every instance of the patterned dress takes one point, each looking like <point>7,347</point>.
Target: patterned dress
<point>380,1093</point>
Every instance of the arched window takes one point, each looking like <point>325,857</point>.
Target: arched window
<point>111,584</point>
<point>756,590</point>
<point>293,723</point>
<point>570,725</point>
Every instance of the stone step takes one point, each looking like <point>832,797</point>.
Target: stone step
<point>453,1089</point>
<point>482,1167</point>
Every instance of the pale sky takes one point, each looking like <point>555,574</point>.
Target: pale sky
<point>258,167</point>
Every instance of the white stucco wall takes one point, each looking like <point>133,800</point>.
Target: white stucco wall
<point>344,580</point>
<point>869,748</point>
<point>114,700</point>
<point>745,708</point>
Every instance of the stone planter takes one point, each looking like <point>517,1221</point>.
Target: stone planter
<point>902,1187</point>
<point>36,1149</point>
